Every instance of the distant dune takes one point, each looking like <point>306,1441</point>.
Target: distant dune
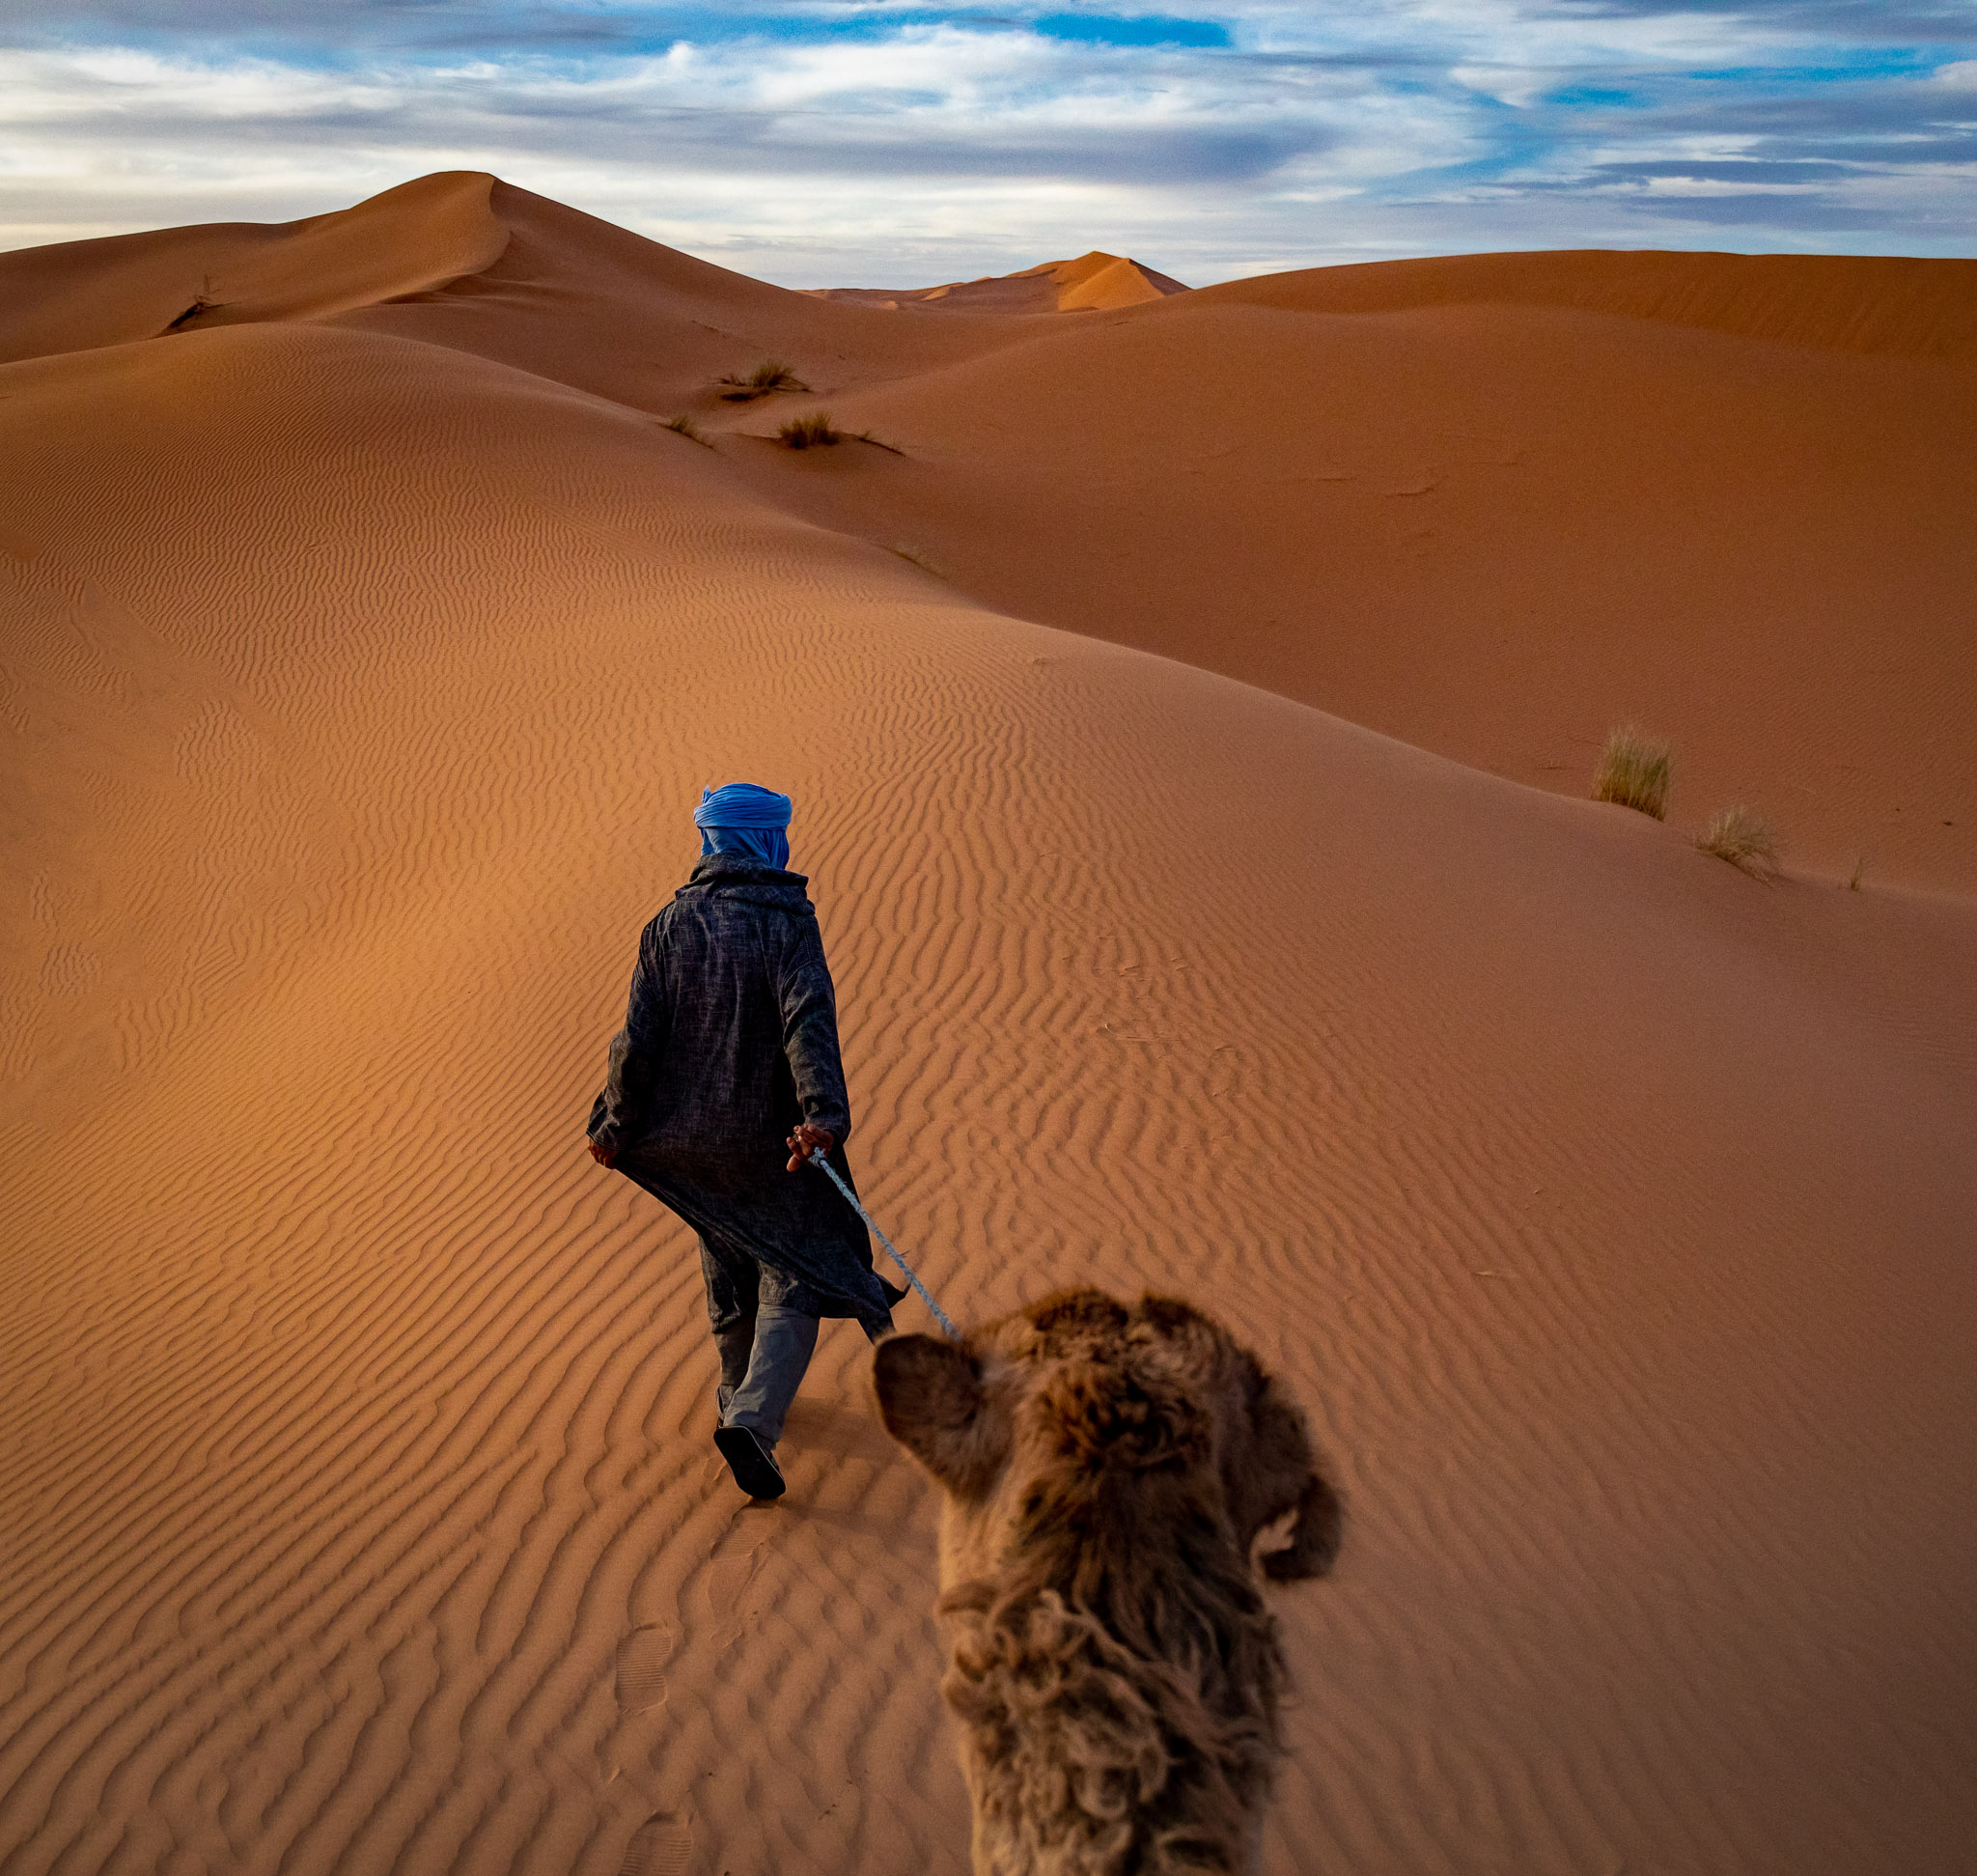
<point>1094,282</point>
<point>1874,304</point>
<point>365,639</point>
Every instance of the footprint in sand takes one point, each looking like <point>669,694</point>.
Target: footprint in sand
<point>642,1658</point>
<point>660,1846</point>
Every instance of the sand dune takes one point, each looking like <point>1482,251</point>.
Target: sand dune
<point>1496,530</point>
<point>1844,302</point>
<point>408,241</point>
<point>1610,1210</point>
<point>1492,505</point>
<point>1094,282</point>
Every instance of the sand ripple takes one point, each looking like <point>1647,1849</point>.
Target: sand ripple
<point>361,1513</point>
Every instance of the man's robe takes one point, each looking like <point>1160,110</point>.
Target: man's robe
<point>730,1039</point>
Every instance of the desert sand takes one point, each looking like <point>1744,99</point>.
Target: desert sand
<point>1189,734</point>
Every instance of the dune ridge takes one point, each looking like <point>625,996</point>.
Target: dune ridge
<point>1879,304</point>
<point>408,241</point>
<point>1609,1211</point>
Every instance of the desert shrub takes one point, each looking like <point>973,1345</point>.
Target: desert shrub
<point>683,426</point>
<point>1745,840</point>
<point>1633,771</point>
<point>809,432</point>
<point>767,378</point>
<point>203,301</point>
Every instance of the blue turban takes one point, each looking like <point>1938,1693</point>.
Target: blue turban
<point>746,821</point>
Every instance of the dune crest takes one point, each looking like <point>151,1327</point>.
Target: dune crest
<point>1876,304</point>
<point>407,241</point>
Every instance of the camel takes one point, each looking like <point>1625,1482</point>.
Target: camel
<point>1107,1472</point>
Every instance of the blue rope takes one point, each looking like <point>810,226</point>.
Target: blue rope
<point>851,1198</point>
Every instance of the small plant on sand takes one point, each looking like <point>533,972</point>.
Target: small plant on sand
<point>1633,771</point>
<point>203,302</point>
<point>1745,840</point>
<point>810,431</point>
<point>767,378</point>
<point>683,426</point>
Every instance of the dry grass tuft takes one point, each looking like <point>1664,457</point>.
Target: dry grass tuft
<point>1745,840</point>
<point>767,378</point>
<point>810,432</point>
<point>201,302</point>
<point>683,426</point>
<point>1633,771</point>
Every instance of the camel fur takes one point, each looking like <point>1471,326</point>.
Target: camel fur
<point>1107,1473</point>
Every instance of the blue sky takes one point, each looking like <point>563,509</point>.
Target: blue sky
<point>819,142</point>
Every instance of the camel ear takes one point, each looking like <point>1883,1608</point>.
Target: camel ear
<point>932,1399</point>
<point>1274,1470</point>
<point>1315,1534</point>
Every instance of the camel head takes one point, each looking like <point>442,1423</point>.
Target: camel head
<point>1108,1472</point>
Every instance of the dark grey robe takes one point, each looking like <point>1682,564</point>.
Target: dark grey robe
<point>730,1039</point>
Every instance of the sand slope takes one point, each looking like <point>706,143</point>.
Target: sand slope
<point>1492,505</point>
<point>1610,1211</point>
<point>1497,529</point>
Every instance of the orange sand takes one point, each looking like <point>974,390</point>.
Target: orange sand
<point>366,643</point>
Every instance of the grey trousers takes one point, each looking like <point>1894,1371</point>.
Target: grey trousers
<point>763,1359</point>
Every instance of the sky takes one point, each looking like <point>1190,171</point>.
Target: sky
<point>827,143</point>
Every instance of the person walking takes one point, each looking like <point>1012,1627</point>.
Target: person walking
<point>727,1063</point>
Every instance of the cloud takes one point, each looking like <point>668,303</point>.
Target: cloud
<point>821,141</point>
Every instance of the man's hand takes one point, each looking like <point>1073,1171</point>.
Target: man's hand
<point>601,1154</point>
<point>806,1140</point>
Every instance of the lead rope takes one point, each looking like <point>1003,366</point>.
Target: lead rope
<point>851,1198</point>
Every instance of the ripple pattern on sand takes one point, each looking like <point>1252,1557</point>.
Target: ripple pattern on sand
<point>353,1459</point>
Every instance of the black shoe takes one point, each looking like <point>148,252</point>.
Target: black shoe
<point>752,1464</point>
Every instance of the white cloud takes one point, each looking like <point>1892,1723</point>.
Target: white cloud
<point>932,150</point>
